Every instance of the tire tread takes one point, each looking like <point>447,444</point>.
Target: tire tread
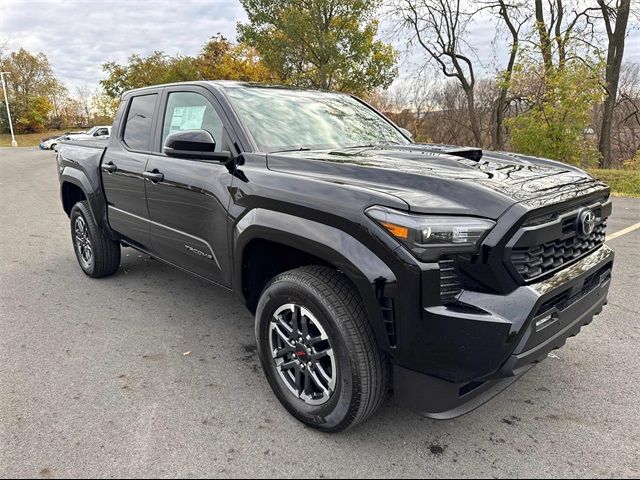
<point>106,252</point>
<point>373,368</point>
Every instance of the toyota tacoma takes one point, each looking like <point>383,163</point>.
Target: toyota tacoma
<point>371,263</point>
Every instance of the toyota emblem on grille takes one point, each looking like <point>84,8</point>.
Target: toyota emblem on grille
<point>586,222</point>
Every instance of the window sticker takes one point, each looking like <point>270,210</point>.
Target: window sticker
<point>187,118</point>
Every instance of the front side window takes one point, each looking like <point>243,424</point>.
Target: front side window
<point>281,119</point>
<point>138,127</point>
<point>191,111</point>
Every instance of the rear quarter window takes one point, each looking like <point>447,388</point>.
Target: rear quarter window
<point>138,124</point>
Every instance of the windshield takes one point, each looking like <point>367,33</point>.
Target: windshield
<point>280,119</point>
<point>92,131</point>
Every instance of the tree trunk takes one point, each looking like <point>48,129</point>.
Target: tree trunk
<point>545,41</point>
<point>612,77</point>
<point>501,102</point>
<point>473,116</point>
<point>498,139</point>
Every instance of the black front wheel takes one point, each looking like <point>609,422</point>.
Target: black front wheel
<point>97,254</point>
<point>318,350</point>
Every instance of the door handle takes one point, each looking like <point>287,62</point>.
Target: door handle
<point>154,175</point>
<point>109,167</point>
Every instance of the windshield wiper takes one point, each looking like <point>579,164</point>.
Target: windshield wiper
<point>301,149</point>
<point>361,146</point>
<point>375,145</point>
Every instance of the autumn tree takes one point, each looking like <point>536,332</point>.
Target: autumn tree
<point>559,105</point>
<point>104,107</point>
<point>220,59</point>
<point>29,86</point>
<point>323,44</point>
<point>140,71</point>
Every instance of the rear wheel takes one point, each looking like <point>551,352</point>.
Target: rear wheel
<point>97,254</point>
<point>317,349</point>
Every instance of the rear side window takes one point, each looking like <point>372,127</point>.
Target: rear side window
<point>137,129</point>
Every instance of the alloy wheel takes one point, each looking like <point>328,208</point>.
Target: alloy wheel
<point>303,354</point>
<point>83,242</point>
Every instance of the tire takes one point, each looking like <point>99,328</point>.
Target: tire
<point>349,356</point>
<point>53,147</point>
<point>102,258</point>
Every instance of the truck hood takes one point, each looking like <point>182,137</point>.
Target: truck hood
<point>444,179</point>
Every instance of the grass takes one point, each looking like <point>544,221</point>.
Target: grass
<point>624,183</point>
<point>28,140</point>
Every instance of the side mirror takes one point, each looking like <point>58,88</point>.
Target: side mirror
<point>195,145</point>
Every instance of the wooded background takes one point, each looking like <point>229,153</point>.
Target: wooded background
<point>563,91</point>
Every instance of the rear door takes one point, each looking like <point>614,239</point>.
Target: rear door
<point>188,207</point>
<point>123,168</point>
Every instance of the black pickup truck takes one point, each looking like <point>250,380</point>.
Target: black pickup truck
<point>371,262</point>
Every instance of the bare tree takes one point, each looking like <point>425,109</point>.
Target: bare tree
<point>439,27</point>
<point>416,97</point>
<point>514,16</point>
<point>615,16</point>
<point>84,95</point>
<point>406,104</point>
<point>3,50</point>
<point>544,36</point>
<point>625,131</point>
<point>625,127</point>
<point>57,96</point>
<point>559,27</point>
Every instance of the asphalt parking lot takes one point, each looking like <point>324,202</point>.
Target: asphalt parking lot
<point>94,380</point>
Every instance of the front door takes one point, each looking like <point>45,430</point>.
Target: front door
<point>188,199</point>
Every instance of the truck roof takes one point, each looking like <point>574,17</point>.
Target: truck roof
<point>222,84</point>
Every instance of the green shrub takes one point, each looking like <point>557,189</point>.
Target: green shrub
<point>622,182</point>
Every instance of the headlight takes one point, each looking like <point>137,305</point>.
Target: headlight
<point>430,236</point>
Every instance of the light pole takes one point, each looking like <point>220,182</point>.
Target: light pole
<point>6,102</point>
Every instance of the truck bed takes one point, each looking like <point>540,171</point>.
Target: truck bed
<point>97,143</point>
<point>81,160</point>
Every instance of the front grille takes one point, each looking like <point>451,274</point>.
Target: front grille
<point>533,262</point>
<point>450,286</point>
<point>550,241</point>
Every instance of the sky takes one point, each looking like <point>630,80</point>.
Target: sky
<point>79,36</point>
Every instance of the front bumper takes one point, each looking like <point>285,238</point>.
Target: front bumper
<point>473,354</point>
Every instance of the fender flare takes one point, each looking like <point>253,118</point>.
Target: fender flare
<point>95,199</point>
<point>77,178</point>
<point>371,276</point>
